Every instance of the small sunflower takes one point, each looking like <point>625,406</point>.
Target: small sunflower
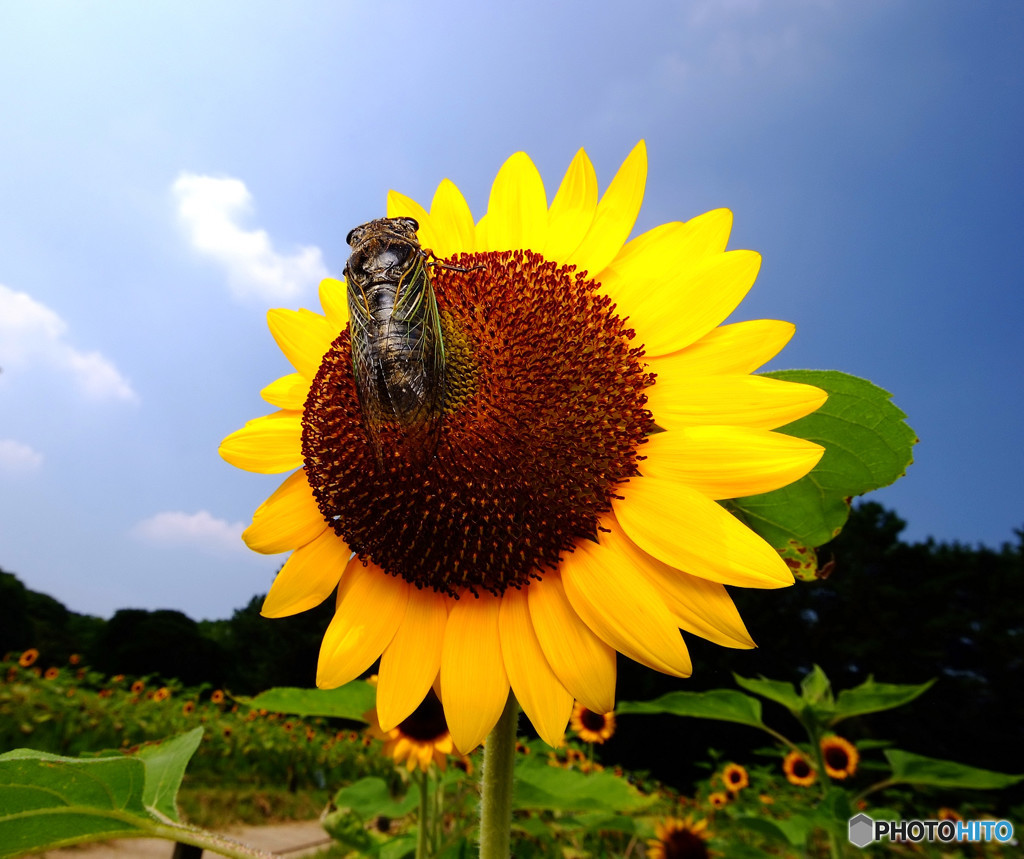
<point>840,757</point>
<point>188,708</point>
<point>718,798</point>
<point>798,769</point>
<point>28,658</point>
<point>138,687</point>
<point>161,694</point>
<point>75,659</point>
<point>676,838</point>
<point>51,673</point>
<point>735,778</point>
<point>594,413</point>
<point>592,727</point>
<point>420,739</point>
<point>217,696</point>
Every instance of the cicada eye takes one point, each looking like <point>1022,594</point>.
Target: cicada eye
<point>351,233</point>
<point>410,223</point>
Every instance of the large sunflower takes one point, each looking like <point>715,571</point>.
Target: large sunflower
<point>594,415</point>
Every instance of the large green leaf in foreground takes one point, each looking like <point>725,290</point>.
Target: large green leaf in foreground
<point>868,445</point>
<point>48,801</point>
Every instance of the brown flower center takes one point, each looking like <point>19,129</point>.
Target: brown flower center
<point>427,723</point>
<point>592,721</point>
<point>543,414</point>
<point>683,844</point>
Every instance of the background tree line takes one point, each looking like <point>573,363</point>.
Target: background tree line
<point>904,613</point>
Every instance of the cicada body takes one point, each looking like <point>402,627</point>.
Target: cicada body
<point>397,342</point>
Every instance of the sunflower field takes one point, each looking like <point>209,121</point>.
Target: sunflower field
<point>408,790</point>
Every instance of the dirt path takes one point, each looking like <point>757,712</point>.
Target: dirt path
<point>290,840</point>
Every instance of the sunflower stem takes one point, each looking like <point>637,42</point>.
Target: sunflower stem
<point>422,844</point>
<point>496,784</point>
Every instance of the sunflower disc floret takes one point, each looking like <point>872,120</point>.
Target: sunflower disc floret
<point>543,375</point>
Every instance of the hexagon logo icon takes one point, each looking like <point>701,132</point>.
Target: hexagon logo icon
<point>862,830</point>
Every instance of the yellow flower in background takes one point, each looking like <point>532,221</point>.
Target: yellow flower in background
<point>28,658</point>
<point>735,777</point>
<point>595,412</point>
<point>798,770</point>
<point>419,740</point>
<point>592,727</point>
<point>679,838</point>
<point>840,757</point>
<point>718,799</point>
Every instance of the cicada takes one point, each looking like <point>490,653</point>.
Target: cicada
<point>397,343</point>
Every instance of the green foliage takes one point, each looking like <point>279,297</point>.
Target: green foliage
<point>725,705</point>
<point>165,768</point>
<point>807,817</point>
<point>82,711</point>
<point>919,770</point>
<point>543,787</point>
<point>351,701</point>
<point>50,801</point>
<point>867,446</point>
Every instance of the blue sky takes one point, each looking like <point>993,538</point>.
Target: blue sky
<point>169,171</point>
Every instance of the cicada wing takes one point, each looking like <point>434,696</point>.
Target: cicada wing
<point>398,365</point>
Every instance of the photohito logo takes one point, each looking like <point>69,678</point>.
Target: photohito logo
<point>864,830</point>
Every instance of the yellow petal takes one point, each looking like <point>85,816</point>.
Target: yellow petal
<point>572,210</point>
<point>474,685</point>
<point>288,519</point>
<point>697,605</point>
<point>733,349</point>
<point>538,690</point>
<point>371,606</point>
<point>288,392</point>
<point>334,301</point>
<point>616,213</point>
<point>669,247</point>
<point>267,445</point>
<point>686,530</point>
<point>749,401</point>
<point>412,659</point>
<point>308,577</point>
<point>454,229</point>
<point>671,307</point>
<point>303,336</point>
<point>581,660</point>
<point>729,461</point>
<point>623,608</point>
<point>483,235</point>
<point>518,208</point>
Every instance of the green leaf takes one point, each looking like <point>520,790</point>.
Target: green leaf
<point>774,690</point>
<point>165,763</point>
<point>397,847</point>
<point>370,796</point>
<point>792,831</point>
<point>872,697</point>
<point>815,688</point>
<point>552,788</point>
<point>725,705</point>
<point>917,769</point>
<point>47,801</point>
<point>867,446</point>
<point>351,701</point>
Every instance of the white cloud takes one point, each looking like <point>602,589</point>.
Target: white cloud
<point>210,208</point>
<point>15,456</point>
<point>30,331</point>
<point>195,530</point>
